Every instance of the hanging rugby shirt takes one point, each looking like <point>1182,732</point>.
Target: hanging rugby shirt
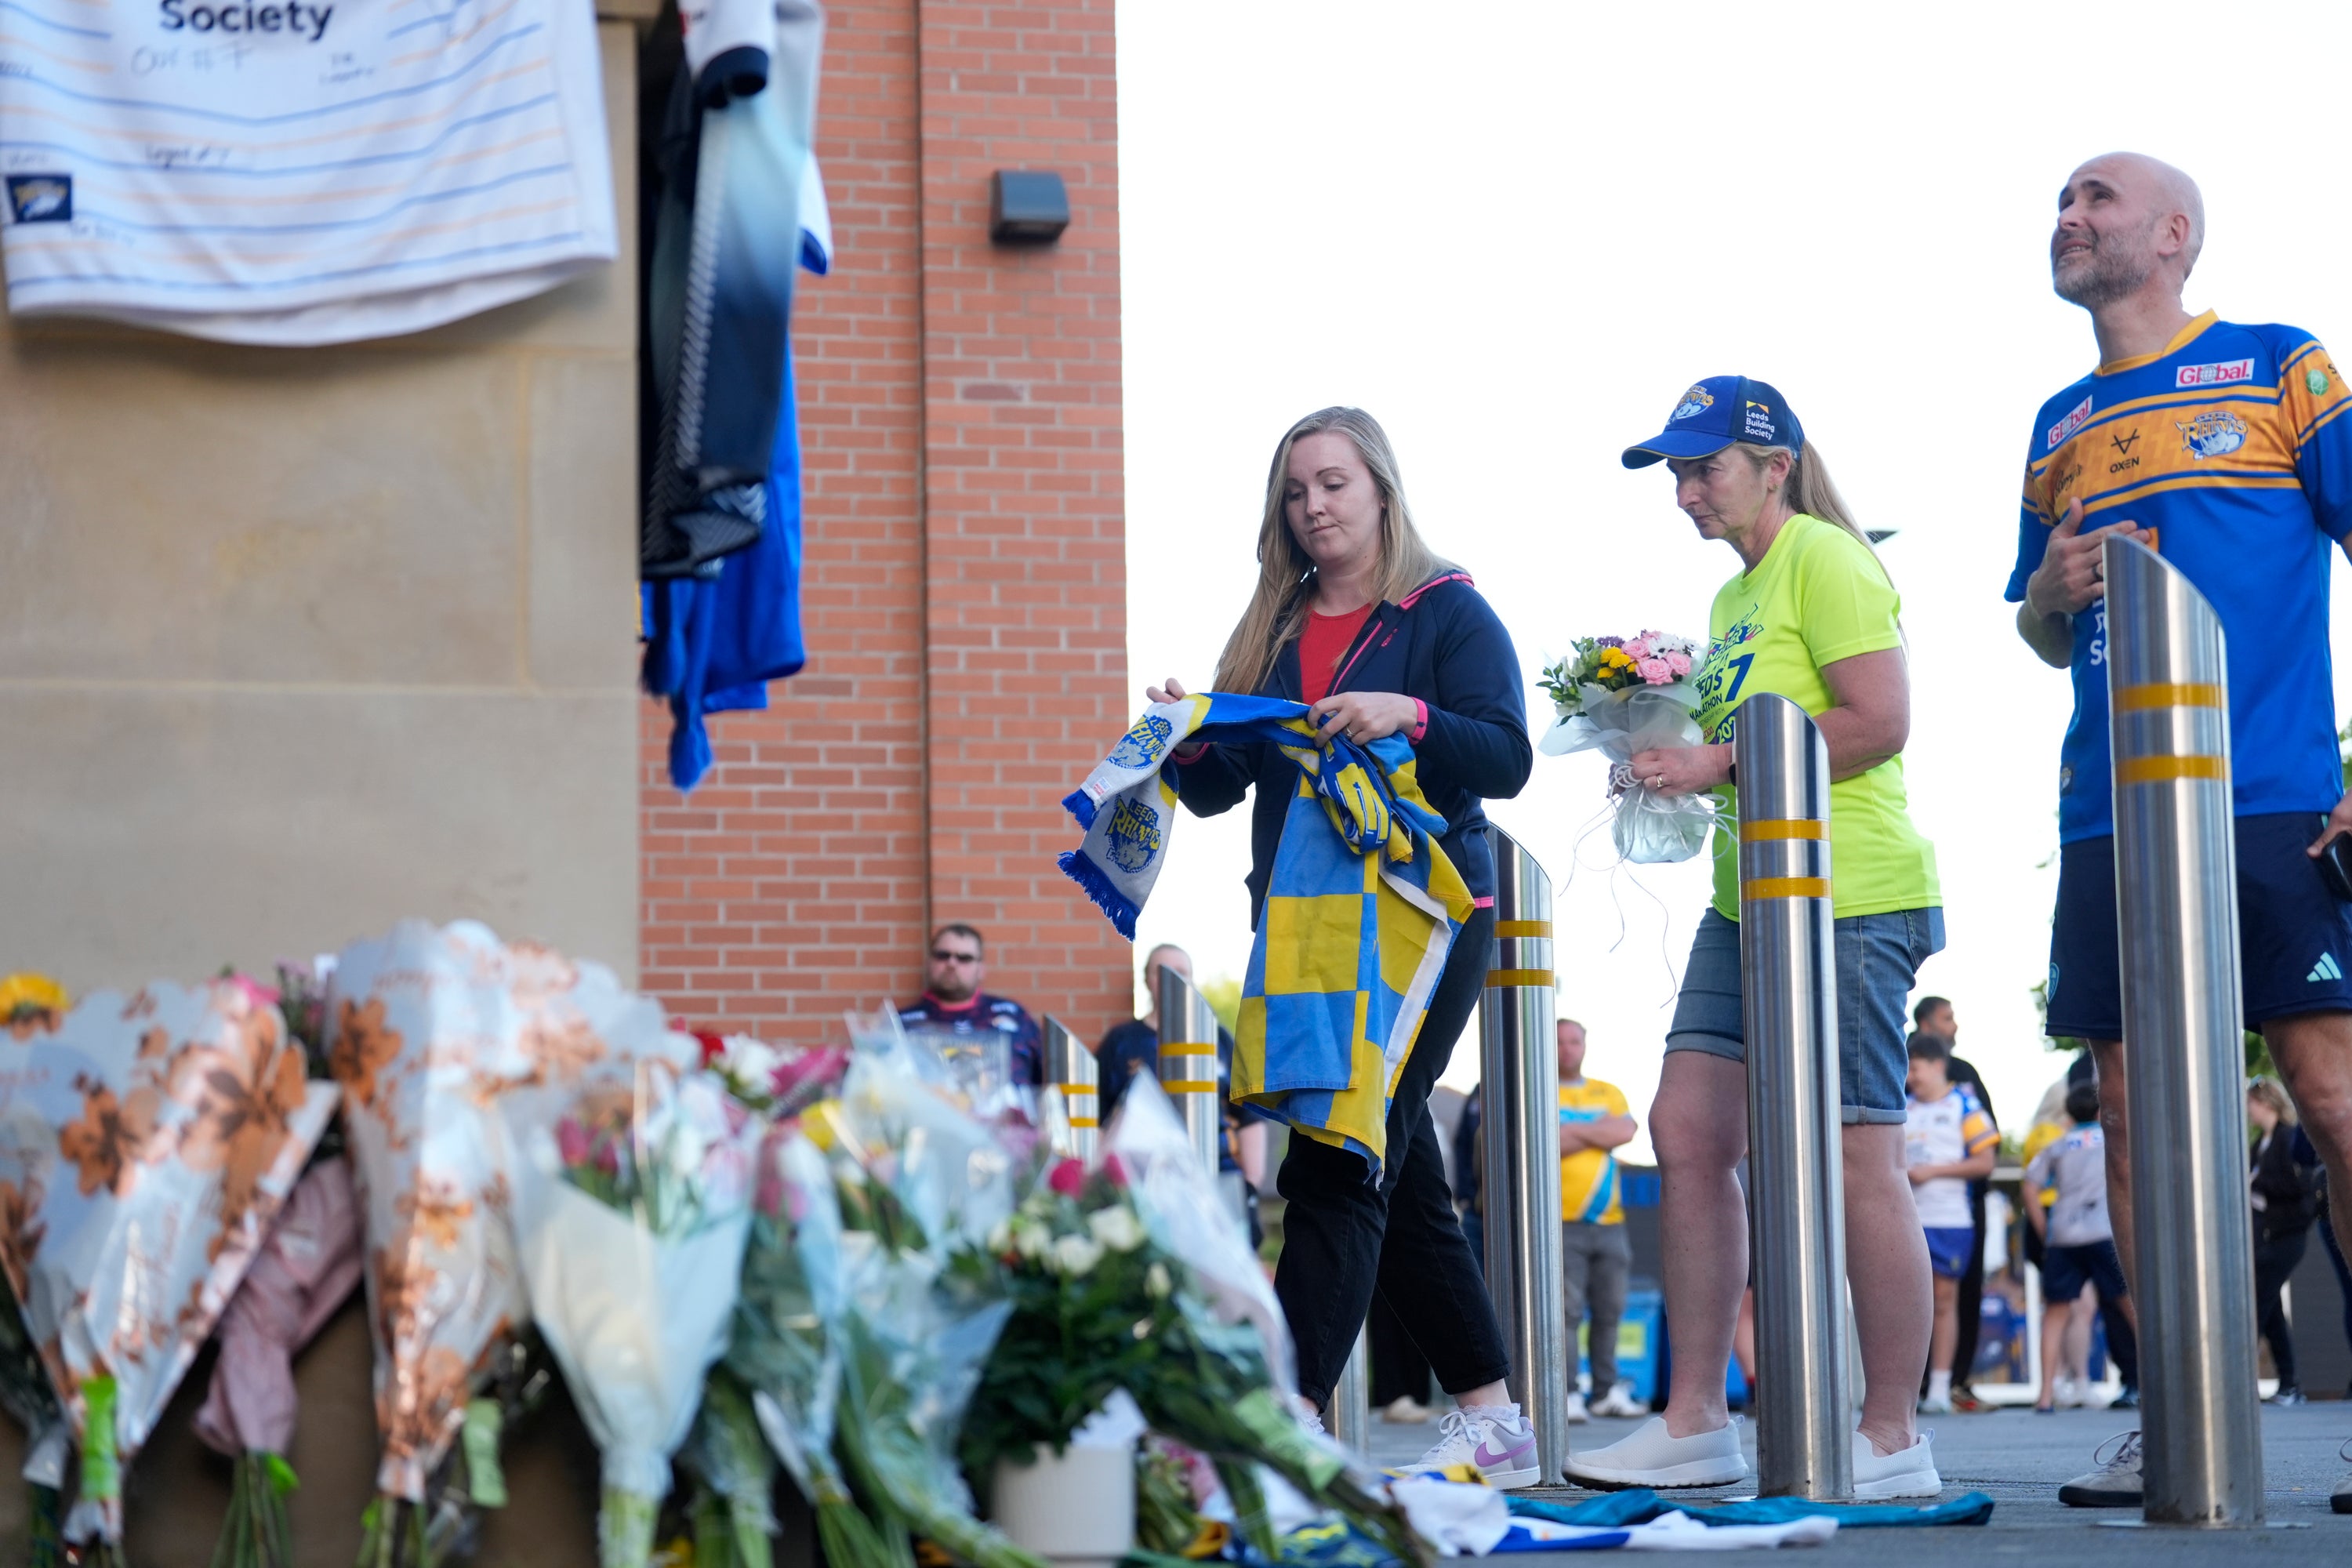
<point>298,170</point>
<point>2231,447</point>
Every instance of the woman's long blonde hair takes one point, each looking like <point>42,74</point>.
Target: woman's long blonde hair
<point>1810,488</point>
<point>1286,574</point>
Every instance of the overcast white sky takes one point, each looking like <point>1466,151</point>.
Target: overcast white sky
<point>1516,232</point>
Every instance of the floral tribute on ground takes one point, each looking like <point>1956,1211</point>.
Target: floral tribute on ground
<point>146,1145</point>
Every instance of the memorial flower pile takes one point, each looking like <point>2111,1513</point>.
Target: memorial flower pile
<point>1623,696</point>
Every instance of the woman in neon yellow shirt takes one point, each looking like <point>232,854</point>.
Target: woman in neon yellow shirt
<point>1811,615</point>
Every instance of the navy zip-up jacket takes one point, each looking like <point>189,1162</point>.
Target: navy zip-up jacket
<point>1443,645</point>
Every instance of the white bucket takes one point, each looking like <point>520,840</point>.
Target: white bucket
<point>1077,1507</point>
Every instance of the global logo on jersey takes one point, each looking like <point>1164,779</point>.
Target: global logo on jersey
<point>1694,402</point>
<point>40,198</point>
<point>2221,374</point>
<point>2216,433</point>
<point>2072,423</point>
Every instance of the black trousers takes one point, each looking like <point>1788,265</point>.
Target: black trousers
<point>2275,1255</point>
<point>1970,1302</point>
<point>1344,1237</point>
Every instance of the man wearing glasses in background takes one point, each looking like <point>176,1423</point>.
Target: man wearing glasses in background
<point>954,1006</point>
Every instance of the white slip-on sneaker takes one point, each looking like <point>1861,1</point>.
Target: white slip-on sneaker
<point>1620,1401</point>
<point>1577,1414</point>
<point>1906,1474</point>
<point>1495,1438</point>
<point>1404,1410</point>
<point>1652,1458</point>
<point>2111,1482</point>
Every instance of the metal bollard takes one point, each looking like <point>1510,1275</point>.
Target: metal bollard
<point>2176,894</point>
<point>1188,1062</point>
<point>1796,1188</point>
<point>1520,1066</point>
<point>1072,1067</point>
<point>1351,1399</point>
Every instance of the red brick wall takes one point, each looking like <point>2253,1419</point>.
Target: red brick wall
<point>965,592</point>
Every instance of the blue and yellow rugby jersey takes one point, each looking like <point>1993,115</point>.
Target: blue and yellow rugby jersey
<point>2231,444</point>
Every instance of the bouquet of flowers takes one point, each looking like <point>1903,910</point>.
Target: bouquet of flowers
<point>921,1182</point>
<point>1625,696</point>
<point>630,1218</point>
<point>307,1269</point>
<point>783,1350</point>
<point>428,1030</point>
<point>1219,1378</point>
<point>145,1147</point>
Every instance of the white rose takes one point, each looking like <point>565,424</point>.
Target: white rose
<point>1117,1228</point>
<point>1156,1280</point>
<point>1031,1239</point>
<point>1075,1255</point>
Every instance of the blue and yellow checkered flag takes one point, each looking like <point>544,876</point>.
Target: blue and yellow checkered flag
<point>1360,912</point>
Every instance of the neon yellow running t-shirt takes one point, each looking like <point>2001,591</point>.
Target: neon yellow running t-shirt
<point>1819,596</point>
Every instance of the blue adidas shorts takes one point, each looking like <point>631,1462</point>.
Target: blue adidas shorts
<point>1948,1248</point>
<point>2294,936</point>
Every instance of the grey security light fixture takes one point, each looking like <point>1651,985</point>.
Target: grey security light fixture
<point>1027,206</point>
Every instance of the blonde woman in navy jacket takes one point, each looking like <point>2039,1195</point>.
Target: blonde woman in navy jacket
<point>1354,616</point>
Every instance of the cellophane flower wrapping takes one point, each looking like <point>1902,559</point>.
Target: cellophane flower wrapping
<point>307,1269</point>
<point>1649,827</point>
<point>630,1217</point>
<point>783,1349</point>
<point>920,1184</point>
<point>146,1146</point>
<point>429,1029</point>
<point>1221,1379</point>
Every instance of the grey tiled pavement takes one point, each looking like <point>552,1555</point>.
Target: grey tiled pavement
<point>2019,1459</point>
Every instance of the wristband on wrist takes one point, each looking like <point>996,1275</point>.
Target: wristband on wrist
<point>1419,722</point>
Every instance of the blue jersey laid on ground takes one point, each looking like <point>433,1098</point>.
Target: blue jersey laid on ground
<point>2230,445</point>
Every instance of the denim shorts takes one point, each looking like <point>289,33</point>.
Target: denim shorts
<point>1878,958</point>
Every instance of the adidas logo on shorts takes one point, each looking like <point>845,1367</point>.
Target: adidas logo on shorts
<point>2326,969</point>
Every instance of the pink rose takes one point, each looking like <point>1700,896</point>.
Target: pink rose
<point>1679,663</point>
<point>1068,1178</point>
<point>1115,1169</point>
<point>1655,672</point>
<point>572,1142</point>
<point>1639,648</point>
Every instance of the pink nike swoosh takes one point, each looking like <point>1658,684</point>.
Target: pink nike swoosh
<point>1486,1459</point>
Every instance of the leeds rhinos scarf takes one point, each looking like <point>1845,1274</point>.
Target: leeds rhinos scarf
<point>1360,912</point>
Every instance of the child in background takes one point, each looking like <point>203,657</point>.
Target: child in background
<point>2066,1203</point>
<point>1947,1141</point>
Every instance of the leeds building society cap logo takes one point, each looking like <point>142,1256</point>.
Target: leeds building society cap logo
<point>40,198</point>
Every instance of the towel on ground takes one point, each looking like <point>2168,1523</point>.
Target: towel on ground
<point>1360,912</point>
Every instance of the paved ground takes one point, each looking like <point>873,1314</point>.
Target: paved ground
<point>2020,1458</point>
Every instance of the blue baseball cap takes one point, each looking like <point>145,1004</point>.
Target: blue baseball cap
<point>1716,413</point>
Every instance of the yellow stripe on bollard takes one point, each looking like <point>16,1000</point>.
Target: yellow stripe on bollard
<point>1522,928</point>
<point>1188,1049</point>
<point>1518,977</point>
<point>2169,694</point>
<point>1783,828</point>
<point>2164,770</point>
<point>1189,1086</point>
<point>1084,1121</point>
<point>1785,888</point>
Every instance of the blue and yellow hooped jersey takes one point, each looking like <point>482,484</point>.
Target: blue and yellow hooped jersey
<point>2231,446</point>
